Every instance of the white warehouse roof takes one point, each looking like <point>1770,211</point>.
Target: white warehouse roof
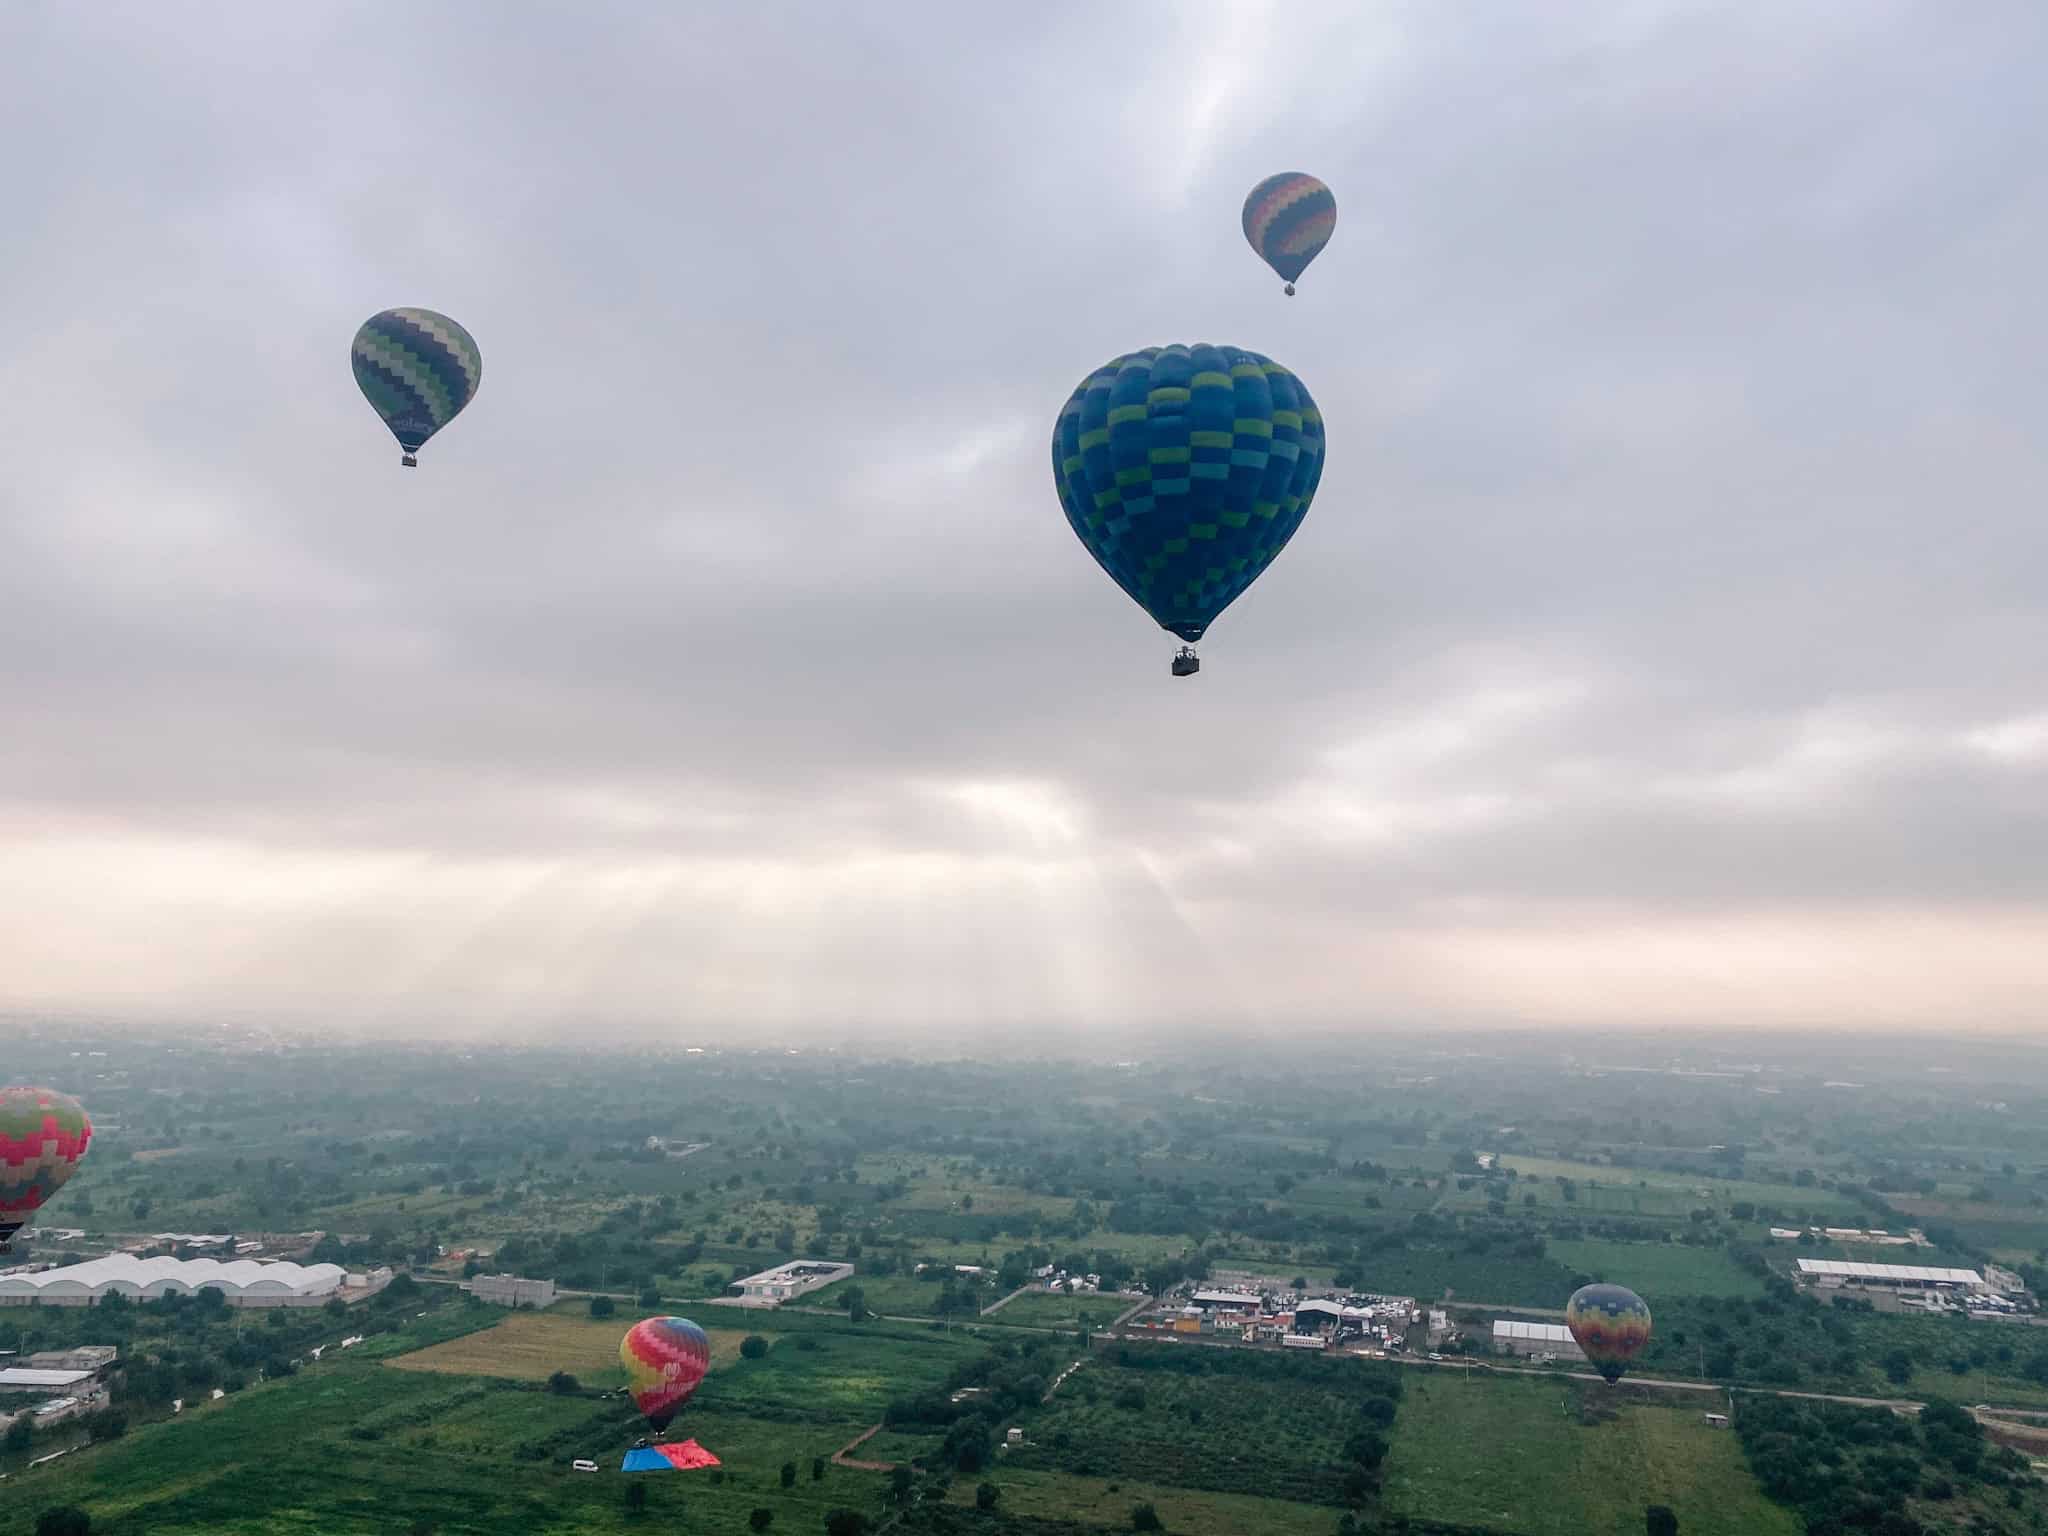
<point>1916,1274</point>
<point>1534,1333</point>
<point>27,1376</point>
<point>148,1279</point>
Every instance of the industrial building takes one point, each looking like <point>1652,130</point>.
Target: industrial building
<point>787,1281</point>
<point>511,1291</point>
<point>244,1282</point>
<point>1832,1273</point>
<point>1229,1301</point>
<point>21,1378</point>
<point>1518,1338</point>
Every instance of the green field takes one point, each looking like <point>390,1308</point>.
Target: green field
<point>1043,1309</point>
<point>1499,1277</point>
<point>1273,1438</point>
<point>1513,1455</point>
<point>1654,1269</point>
<point>1096,1501</point>
<point>1621,1190</point>
<point>278,1459</point>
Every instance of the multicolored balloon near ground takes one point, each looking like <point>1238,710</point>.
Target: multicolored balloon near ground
<point>665,1358</point>
<point>1611,1323</point>
<point>1184,470</point>
<point>418,370</point>
<point>43,1134</point>
<point>1288,219</point>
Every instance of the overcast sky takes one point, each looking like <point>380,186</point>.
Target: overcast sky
<point>1668,642</point>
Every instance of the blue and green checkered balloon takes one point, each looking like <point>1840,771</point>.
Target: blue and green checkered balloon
<point>1185,470</point>
<point>418,370</point>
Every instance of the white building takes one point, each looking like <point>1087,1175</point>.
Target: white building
<point>783,1283</point>
<point>1518,1338</point>
<point>243,1282</point>
<point>512,1291</point>
<point>1832,1273</point>
<point>21,1378</point>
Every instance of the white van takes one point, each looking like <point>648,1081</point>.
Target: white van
<point>584,1466</point>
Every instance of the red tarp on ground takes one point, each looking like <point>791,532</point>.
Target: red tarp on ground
<point>687,1455</point>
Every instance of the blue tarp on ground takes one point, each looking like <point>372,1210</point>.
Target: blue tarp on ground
<point>645,1458</point>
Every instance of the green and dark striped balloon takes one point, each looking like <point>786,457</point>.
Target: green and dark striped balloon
<point>418,370</point>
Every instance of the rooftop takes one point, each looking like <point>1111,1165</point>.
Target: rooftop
<point>124,1269</point>
<point>25,1376</point>
<point>1534,1333</point>
<point>1845,1270</point>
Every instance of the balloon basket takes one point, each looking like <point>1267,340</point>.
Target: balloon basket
<point>1187,663</point>
<point>409,461</point>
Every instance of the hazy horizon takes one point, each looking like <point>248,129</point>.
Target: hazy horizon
<point>1663,650</point>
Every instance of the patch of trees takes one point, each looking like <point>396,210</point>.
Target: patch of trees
<point>1848,1469</point>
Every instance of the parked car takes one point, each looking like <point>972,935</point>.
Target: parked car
<point>584,1466</point>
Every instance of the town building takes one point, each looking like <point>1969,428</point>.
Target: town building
<point>243,1282</point>
<point>1511,1337</point>
<point>1229,1301</point>
<point>1830,1274</point>
<point>512,1291</point>
<point>785,1282</point>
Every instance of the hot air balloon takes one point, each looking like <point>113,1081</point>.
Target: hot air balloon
<point>418,370</point>
<point>1288,219</point>
<point>1611,1323</point>
<point>665,1358</point>
<point>1184,470</point>
<point>43,1134</point>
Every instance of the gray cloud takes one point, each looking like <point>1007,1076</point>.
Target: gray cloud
<point>1679,558</point>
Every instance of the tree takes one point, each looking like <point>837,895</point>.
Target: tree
<point>636,1496</point>
<point>753,1347</point>
<point>1660,1521</point>
<point>817,1469</point>
<point>1898,1367</point>
<point>760,1519</point>
<point>900,1480</point>
<point>603,1306</point>
<point>789,1474</point>
<point>985,1495</point>
<point>650,1297</point>
<point>1145,1518</point>
<point>845,1522</point>
<point>561,1383</point>
<point>19,1433</point>
<point>856,1303</point>
<point>64,1520</point>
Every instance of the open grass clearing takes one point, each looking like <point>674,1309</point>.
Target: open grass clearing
<point>1512,1454</point>
<point>532,1346</point>
<point>1108,1503</point>
<point>1667,1269</point>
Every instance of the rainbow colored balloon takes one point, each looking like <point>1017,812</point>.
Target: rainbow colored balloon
<point>1288,219</point>
<point>43,1134</point>
<point>1612,1325</point>
<point>418,370</point>
<point>665,1358</point>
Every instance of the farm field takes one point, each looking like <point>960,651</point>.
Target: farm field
<point>531,1346</point>
<point>1501,1278</point>
<point>1513,1455</point>
<point>901,1295</point>
<point>1667,1269</point>
<point>1043,1309</point>
<point>278,1460</point>
<point>1277,1438</point>
<point>1095,1501</point>
<point>1671,1193</point>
